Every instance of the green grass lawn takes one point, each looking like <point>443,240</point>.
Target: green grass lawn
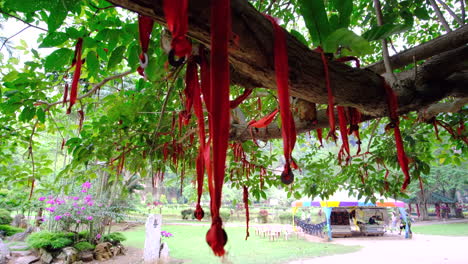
<point>455,229</point>
<point>188,243</point>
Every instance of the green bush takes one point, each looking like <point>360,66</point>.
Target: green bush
<point>83,234</point>
<point>285,218</point>
<point>50,240</point>
<point>84,246</point>
<point>10,230</point>
<point>187,213</point>
<point>225,215</point>
<point>114,237</point>
<point>5,217</point>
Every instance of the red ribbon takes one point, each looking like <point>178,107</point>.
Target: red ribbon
<point>319,136</point>
<point>354,120</point>
<point>393,107</point>
<point>76,75</point>
<point>216,237</point>
<point>236,102</point>
<point>265,121</point>
<point>176,15</point>
<point>145,26</point>
<point>65,94</point>
<point>288,131</point>
<point>350,58</point>
<point>246,205</point>
<point>330,110</point>
<point>343,129</point>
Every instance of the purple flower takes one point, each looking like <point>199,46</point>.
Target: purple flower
<point>88,197</point>
<point>75,204</point>
<point>89,218</point>
<point>42,198</point>
<point>67,214</point>
<point>83,208</point>
<point>78,221</point>
<point>50,209</point>
<point>86,185</point>
<point>98,236</point>
<point>51,201</point>
<point>57,217</point>
<point>90,203</point>
<point>75,198</point>
<point>78,212</point>
<point>84,190</point>
<point>166,234</point>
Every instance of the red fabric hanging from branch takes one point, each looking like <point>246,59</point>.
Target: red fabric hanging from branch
<point>216,237</point>
<point>76,75</point>
<point>393,108</point>
<point>288,131</point>
<point>343,131</point>
<point>236,102</point>
<point>331,103</point>
<point>265,121</point>
<point>145,26</point>
<point>176,15</point>
<point>246,205</point>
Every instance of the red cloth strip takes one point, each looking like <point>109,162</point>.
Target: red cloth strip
<point>76,74</point>
<point>176,15</point>
<point>219,113</point>
<point>402,159</point>
<point>236,102</point>
<point>145,27</point>
<point>343,129</point>
<point>246,205</point>
<point>320,136</point>
<point>265,121</point>
<point>288,130</point>
<point>65,94</point>
<point>330,111</point>
<point>350,58</point>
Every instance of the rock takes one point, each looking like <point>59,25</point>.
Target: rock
<point>17,220</point>
<point>22,236</point>
<point>19,246</point>
<point>68,255</point>
<point>153,238</point>
<point>86,256</point>
<point>102,251</point>
<point>5,252</point>
<point>17,254</point>
<point>25,260</point>
<point>45,256</point>
<point>78,262</point>
<point>164,253</point>
<point>117,250</point>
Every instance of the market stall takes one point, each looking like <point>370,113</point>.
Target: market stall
<point>347,215</point>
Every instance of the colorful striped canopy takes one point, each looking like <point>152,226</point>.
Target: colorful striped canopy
<point>342,199</point>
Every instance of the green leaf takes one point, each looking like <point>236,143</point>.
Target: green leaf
<point>92,63</point>
<point>384,31</point>
<point>345,8</point>
<point>54,39</point>
<point>316,20</point>
<point>58,59</point>
<point>421,13</point>
<point>56,18</point>
<point>40,115</point>
<point>116,57</point>
<point>73,33</point>
<point>348,39</point>
<point>25,6</point>
<point>132,55</point>
<point>27,114</point>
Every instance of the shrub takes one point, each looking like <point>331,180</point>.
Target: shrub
<point>263,216</point>
<point>84,246</point>
<point>10,230</point>
<point>50,240</point>
<point>5,217</point>
<point>225,215</point>
<point>187,213</point>
<point>114,237</point>
<point>83,234</point>
<point>285,218</point>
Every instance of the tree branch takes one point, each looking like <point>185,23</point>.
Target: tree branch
<point>459,21</point>
<point>426,50</point>
<point>448,107</point>
<point>17,18</point>
<point>385,54</point>
<point>16,34</point>
<point>90,92</point>
<point>440,16</point>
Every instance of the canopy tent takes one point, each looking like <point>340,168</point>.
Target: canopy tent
<point>343,199</point>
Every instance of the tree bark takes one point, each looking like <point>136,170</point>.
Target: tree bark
<point>252,64</point>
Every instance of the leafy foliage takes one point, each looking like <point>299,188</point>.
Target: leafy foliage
<point>114,237</point>
<point>5,217</point>
<point>50,240</point>
<point>10,230</point>
<point>84,246</point>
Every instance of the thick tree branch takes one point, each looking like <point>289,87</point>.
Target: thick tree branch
<point>448,107</point>
<point>252,61</point>
<point>433,47</point>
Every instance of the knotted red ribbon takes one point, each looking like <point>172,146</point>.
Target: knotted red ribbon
<point>216,237</point>
<point>145,26</point>
<point>246,205</point>
<point>288,131</point>
<point>343,130</point>
<point>176,15</point>
<point>393,107</point>
<point>76,75</point>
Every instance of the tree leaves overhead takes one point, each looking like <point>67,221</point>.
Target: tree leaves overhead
<point>58,59</point>
<point>315,17</point>
<point>352,43</point>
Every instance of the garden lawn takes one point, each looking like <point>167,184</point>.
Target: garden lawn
<point>455,229</point>
<point>188,243</point>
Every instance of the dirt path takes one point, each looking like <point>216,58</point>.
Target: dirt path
<point>391,249</point>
